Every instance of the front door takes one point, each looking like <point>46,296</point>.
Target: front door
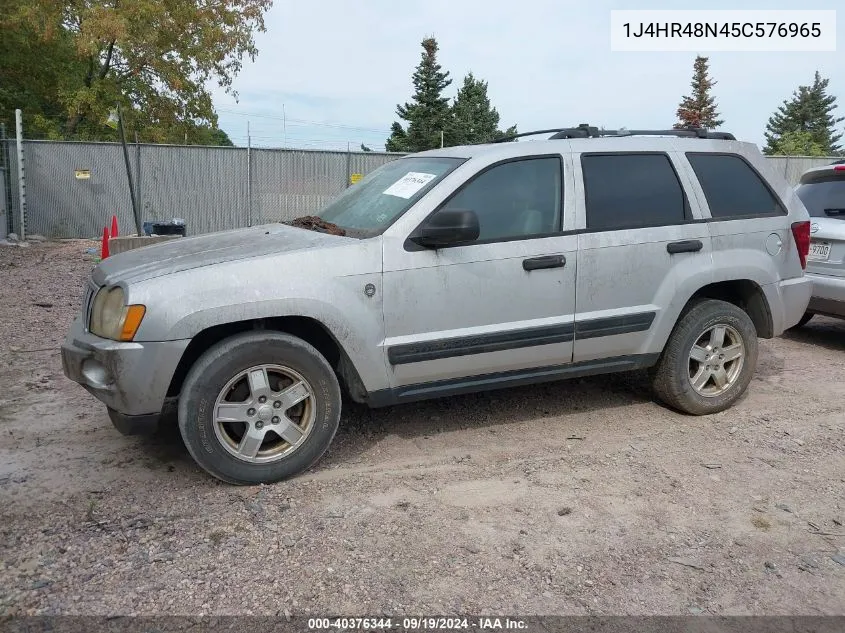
<point>492,308</point>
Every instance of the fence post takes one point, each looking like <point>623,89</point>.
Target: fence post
<point>348,164</point>
<point>21,178</point>
<point>248,177</point>
<point>138,180</point>
<point>4,170</point>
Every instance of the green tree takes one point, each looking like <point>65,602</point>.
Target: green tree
<point>699,109</point>
<point>206,135</point>
<point>473,119</point>
<point>154,57</point>
<point>427,114</point>
<point>798,143</point>
<point>364,148</point>
<point>809,110</point>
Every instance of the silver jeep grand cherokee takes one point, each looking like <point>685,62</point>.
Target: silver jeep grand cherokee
<point>451,271</point>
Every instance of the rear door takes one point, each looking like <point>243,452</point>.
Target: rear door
<point>642,247</point>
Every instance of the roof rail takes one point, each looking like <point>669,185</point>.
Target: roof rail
<point>587,131</point>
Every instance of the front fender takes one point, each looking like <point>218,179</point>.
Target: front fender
<point>183,305</point>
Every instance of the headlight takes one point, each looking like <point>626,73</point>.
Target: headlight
<point>111,318</point>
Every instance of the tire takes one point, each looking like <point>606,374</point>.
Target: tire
<point>804,320</point>
<point>247,447</point>
<point>673,376</point>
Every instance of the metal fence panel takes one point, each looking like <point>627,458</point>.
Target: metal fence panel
<point>61,201</point>
<point>206,186</point>
<point>793,166</point>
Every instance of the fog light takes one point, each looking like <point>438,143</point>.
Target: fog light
<point>96,375</point>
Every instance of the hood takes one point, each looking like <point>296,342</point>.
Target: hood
<point>185,253</point>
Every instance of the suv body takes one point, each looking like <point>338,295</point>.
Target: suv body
<point>822,190</point>
<point>462,269</point>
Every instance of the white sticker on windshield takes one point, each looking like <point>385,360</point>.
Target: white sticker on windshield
<point>409,184</point>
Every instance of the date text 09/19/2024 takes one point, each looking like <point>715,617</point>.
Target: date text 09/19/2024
<point>417,624</point>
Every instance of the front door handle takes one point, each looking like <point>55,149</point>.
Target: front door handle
<point>687,246</point>
<point>547,261</point>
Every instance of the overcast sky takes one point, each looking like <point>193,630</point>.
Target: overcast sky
<point>339,68</point>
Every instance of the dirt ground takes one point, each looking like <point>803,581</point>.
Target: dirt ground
<point>580,497</point>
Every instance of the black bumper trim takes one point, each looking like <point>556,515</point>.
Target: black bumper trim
<point>134,424</point>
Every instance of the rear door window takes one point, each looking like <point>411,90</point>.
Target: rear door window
<point>732,188</point>
<point>627,191</point>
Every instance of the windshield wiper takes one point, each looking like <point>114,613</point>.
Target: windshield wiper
<point>314,223</point>
<point>833,212</point>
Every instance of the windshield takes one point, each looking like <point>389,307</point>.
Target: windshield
<point>825,197</point>
<point>374,203</point>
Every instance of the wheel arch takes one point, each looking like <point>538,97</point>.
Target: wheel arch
<point>309,329</point>
<point>746,294</point>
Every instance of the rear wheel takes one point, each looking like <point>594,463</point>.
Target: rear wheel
<point>259,407</point>
<point>709,359</point>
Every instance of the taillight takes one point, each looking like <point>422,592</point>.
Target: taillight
<point>801,233</point>
<point>839,168</point>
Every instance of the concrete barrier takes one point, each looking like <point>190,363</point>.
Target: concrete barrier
<point>128,243</point>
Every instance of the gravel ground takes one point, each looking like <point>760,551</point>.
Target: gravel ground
<point>580,497</point>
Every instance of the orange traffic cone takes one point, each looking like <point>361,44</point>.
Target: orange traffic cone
<point>114,226</point>
<point>104,249</point>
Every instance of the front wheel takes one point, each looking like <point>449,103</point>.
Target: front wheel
<point>259,407</point>
<point>709,359</point>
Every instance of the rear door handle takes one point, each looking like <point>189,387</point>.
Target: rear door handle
<point>687,246</point>
<point>547,261</point>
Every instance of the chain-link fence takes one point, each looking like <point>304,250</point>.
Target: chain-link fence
<point>73,188</point>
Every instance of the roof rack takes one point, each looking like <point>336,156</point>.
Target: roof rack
<point>588,131</point>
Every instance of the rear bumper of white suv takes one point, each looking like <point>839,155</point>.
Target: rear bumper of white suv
<point>828,295</point>
<point>792,295</point>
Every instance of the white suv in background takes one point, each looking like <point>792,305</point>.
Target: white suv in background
<point>822,190</point>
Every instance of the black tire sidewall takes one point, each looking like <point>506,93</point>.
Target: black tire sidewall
<point>698,320</point>
<point>217,367</point>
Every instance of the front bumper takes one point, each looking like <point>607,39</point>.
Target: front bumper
<point>828,295</point>
<point>131,379</point>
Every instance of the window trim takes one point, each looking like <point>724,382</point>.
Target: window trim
<point>748,216</point>
<point>688,217</point>
<point>413,246</point>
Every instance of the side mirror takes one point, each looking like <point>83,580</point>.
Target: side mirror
<point>447,228</point>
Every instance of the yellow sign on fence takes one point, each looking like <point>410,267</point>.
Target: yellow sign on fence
<point>355,178</point>
<point>82,174</point>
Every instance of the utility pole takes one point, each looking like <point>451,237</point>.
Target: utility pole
<point>284,128</point>
<point>441,139</point>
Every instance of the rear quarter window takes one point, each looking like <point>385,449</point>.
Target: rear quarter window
<point>732,187</point>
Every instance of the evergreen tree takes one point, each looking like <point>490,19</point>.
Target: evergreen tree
<point>428,112</point>
<point>810,110</point>
<point>798,143</point>
<point>699,109</point>
<point>473,120</point>
<point>364,148</point>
